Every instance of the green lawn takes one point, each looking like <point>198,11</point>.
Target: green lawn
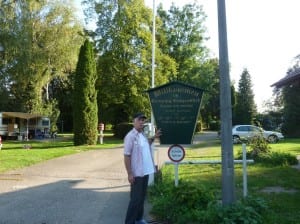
<point>14,154</point>
<point>278,185</point>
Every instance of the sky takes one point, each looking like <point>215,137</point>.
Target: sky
<point>263,37</point>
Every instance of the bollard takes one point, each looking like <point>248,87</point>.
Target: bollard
<point>101,129</point>
<point>101,137</point>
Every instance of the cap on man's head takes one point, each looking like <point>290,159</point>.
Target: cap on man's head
<point>139,116</point>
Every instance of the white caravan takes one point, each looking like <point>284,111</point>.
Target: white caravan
<point>19,125</point>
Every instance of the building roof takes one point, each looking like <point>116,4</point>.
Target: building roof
<point>290,78</point>
<point>20,115</point>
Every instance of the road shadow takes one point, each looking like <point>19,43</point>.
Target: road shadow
<point>63,202</point>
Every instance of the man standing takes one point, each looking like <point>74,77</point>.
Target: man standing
<point>139,164</point>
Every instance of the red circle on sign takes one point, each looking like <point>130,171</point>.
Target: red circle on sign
<point>176,153</point>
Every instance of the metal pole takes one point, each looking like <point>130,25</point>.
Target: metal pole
<point>151,177</point>
<point>176,176</point>
<point>228,191</point>
<point>153,61</point>
<point>153,48</point>
<point>245,187</point>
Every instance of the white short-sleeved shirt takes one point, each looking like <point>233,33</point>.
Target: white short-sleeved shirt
<point>133,143</point>
<point>147,157</point>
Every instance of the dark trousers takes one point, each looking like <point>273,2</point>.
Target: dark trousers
<point>138,192</point>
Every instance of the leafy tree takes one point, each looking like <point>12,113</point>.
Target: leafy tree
<point>288,97</point>
<point>182,37</point>
<point>210,79</point>
<point>245,108</point>
<point>272,116</point>
<point>271,120</point>
<point>275,103</point>
<point>61,88</point>
<point>4,93</point>
<point>210,110</point>
<point>291,109</point>
<point>124,41</point>
<point>85,108</point>
<point>41,41</point>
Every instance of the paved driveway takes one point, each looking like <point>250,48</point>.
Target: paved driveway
<point>85,188</point>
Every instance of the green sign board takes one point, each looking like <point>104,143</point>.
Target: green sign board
<point>176,108</point>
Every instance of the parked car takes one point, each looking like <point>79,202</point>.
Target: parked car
<point>244,132</point>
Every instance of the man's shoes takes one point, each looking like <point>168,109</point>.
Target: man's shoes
<point>141,222</point>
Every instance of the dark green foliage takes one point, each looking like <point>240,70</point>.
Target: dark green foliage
<point>85,112</point>
<point>271,120</point>
<point>209,79</point>
<point>291,110</point>
<point>41,43</point>
<point>179,204</point>
<point>123,39</point>
<point>214,125</point>
<point>277,159</point>
<point>62,91</point>
<point>120,130</point>
<point>245,108</point>
<point>199,126</point>
<point>258,145</point>
<point>190,203</point>
<point>261,153</point>
<point>51,110</point>
<point>4,93</point>
<point>184,39</point>
<point>248,210</point>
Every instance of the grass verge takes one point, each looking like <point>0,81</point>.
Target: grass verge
<point>18,154</point>
<point>278,186</point>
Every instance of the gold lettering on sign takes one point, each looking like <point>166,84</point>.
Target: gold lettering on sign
<point>176,105</point>
<point>169,90</point>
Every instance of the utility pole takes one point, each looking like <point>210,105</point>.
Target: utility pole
<point>152,131</point>
<point>228,191</point>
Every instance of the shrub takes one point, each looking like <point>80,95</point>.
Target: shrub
<point>248,210</point>
<point>122,129</point>
<point>258,145</point>
<point>108,127</point>
<point>277,159</point>
<point>214,125</point>
<point>190,203</point>
<point>179,204</point>
<point>260,152</point>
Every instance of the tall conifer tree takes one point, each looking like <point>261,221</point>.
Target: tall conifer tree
<point>85,98</point>
<point>245,108</point>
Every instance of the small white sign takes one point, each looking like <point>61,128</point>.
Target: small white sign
<point>176,153</point>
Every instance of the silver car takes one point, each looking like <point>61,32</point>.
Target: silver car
<point>244,132</point>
